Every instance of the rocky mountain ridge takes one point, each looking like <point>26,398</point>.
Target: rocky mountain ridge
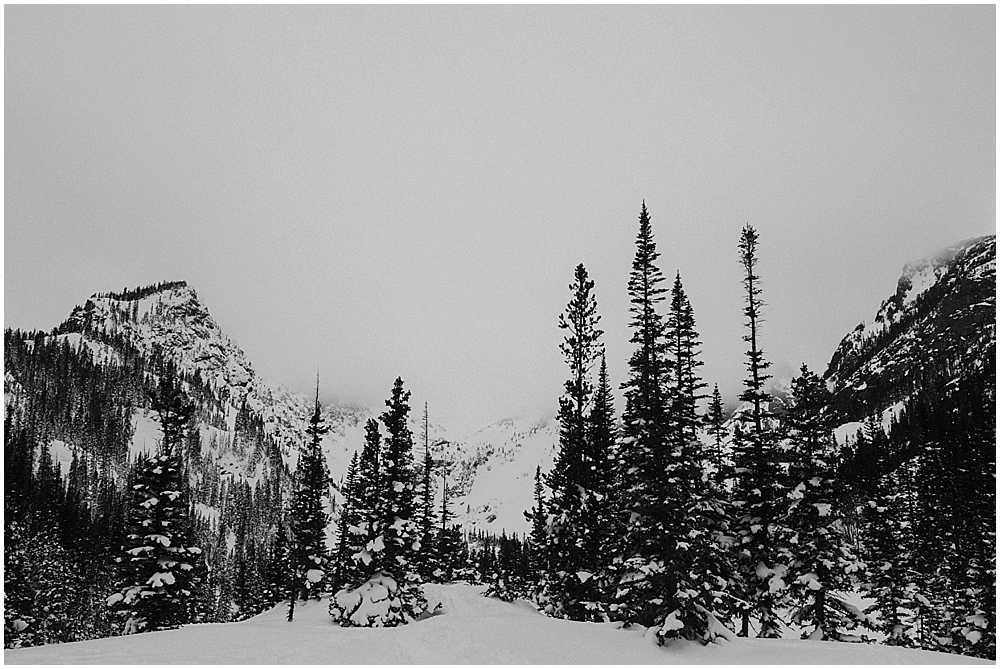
<point>941,319</point>
<point>489,473</point>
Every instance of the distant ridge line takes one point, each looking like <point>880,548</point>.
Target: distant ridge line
<point>139,293</point>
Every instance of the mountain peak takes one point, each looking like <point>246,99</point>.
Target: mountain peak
<point>919,275</point>
<point>139,293</point>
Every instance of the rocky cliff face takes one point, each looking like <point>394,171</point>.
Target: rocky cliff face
<point>941,319</point>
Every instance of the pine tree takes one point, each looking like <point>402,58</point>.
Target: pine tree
<point>348,518</point>
<point>427,562</point>
<point>160,560</point>
<point>641,509</point>
<point>364,522</point>
<point>756,492</point>
<point>573,556</point>
<point>716,419</point>
<point>391,595</point>
<point>889,545</point>
<point>601,438</point>
<point>821,561</point>
<point>538,538</point>
<point>697,571</point>
<point>308,517</point>
<point>449,542</point>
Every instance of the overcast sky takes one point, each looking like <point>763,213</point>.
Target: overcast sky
<point>377,191</point>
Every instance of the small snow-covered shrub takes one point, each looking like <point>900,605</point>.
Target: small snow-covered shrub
<point>378,602</point>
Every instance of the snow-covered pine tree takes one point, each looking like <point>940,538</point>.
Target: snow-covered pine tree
<point>821,560</point>
<point>427,556</point>
<point>698,571</point>
<point>341,559</point>
<point>449,541</point>
<point>889,545</point>
<point>43,594</point>
<point>715,421</point>
<point>539,533</point>
<point>308,515</point>
<point>756,492</point>
<point>573,556</point>
<point>601,446</point>
<point>366,518</point>
<point>391,594</point>
<point>159,559</point>
<point>639,572</point>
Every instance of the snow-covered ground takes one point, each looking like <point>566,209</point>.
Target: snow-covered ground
<point>469,629</point>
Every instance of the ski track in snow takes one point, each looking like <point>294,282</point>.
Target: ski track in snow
<point>468,629</point>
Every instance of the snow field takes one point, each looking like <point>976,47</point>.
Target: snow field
<point>467,629</point>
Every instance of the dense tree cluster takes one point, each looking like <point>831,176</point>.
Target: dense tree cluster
<point>688,523</point>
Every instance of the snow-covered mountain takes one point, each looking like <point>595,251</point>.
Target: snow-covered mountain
<point>942,316</point>
<point>168,320</point>
<point>489,473</point>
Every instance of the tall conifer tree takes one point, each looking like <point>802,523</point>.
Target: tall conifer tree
<point>309,516</point>
<point>644,513</point>
<point>820,558</point>
<point>716,429</point>
<point>573,550</point>
<point>756,493</point>
<point>392,594</point>
<point>160,558</point>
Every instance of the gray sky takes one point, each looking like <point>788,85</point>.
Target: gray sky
<point>388,190</point>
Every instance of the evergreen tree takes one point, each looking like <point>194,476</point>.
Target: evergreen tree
<point>641,508</point>
<point>573,556</point>
<point>308,517</point>
<point>449,542</point>
<point>756,493</point>
<point>391,595</point>
<point>698,571</point>
<point>601,456</point>
<point>159,559</point>
<point>426,558</point>
<point>538,538</point>
<point>44,599</point>
<point>821,561</point>
<point>889,545</point>
<point>716,420</point>
<point>348,518</point>
<point>364,523</point>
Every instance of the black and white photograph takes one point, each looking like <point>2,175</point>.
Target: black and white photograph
<point>516,334</point>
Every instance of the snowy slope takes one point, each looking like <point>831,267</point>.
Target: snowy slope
<point>490,473</point>
<point>469,629</point>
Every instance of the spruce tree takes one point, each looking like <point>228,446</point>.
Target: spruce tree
<point>716,420</point>
<point>820,558</point>
<point>601,445</point>
<point>449,541</point>
<point>642,512</point>
<point>426,562</point>
<point>698,571</point>
<point>159,561</point>
<point>538,538</point>
<point>348,518</point>
<point>391,593</point>
<point>889,550</point>
<point>573,557</point>
<point>308,517</point>
<point>756,496</point>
